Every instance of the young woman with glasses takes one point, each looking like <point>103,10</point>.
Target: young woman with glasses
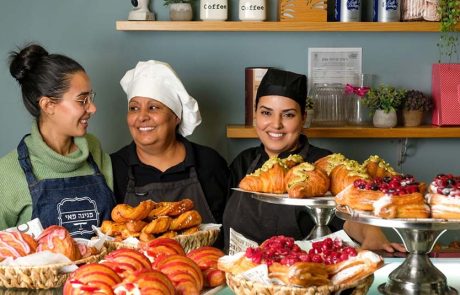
<point>58,173</point>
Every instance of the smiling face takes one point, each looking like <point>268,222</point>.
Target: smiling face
<point>70,116</point>
<point>150,122</point>
<point>279,123</point>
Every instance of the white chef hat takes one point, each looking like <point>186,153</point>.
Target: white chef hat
<point>157,80</point>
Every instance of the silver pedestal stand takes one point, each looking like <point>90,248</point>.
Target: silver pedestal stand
<point>321,209</point>
<point>417,274</point>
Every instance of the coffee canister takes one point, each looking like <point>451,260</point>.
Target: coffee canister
<point>348,10</point>
<point>252,10</point>
<point>214,10</point>
<point>387,10</point>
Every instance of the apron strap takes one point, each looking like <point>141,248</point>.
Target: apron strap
<point>130,187</point>
<point>93,164</point>
<point>24,161</point>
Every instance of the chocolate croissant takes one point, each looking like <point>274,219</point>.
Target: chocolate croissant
<point>306,181</point>
<point>267,179</point>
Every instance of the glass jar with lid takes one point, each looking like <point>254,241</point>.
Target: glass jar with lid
<point>329,104</point>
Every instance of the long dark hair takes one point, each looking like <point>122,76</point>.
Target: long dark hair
<point>41,74</point>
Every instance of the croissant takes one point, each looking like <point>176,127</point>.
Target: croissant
<point>171,208</point>
<point>267,179</point>
<point>377,167</point>
<point>306,181</point>
<point>124,212</point>
<point>345,174</point>
<point>329,162</point>
<point>292,160</point>
<point>186,220</point>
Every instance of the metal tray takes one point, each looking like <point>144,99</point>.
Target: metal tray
<point>283,199</point>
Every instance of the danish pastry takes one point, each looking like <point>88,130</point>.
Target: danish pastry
<point>444,196</point>
<point>171,208</point>
<point>186,220</point>
<point>123,213</point>
<point>345,174</point>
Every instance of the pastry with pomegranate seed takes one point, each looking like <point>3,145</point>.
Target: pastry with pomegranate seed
<point>377,167</point>
<point>91,278</point>
<point>267,179</point>
<point>329,162</point>
<point>444,196</point>
<point>145,282</point>
<point>345,174</point>
<point>306,181</point>
<point>57,239</point>
<point>16,244</point>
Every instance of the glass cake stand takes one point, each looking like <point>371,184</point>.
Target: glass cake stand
<point>417,274</point>
<point>321,209</point>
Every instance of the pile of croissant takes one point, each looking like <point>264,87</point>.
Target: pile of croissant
<point>301,179</point>
<point>150,220</point>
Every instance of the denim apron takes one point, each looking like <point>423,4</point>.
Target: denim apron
<point>171,191</point>
<point>76,203</point>
<point>258,220</point>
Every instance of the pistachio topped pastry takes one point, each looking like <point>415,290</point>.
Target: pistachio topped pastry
<point>329,162</point>
<point>377,167</point>
<point>267,179</point>
<point>306,181</point>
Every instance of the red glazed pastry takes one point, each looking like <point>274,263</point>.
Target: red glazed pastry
<point>206,258</point>
<point>145,282</point>
<point>57,239</point>
<point>126,261</point>
<point>16,244</point>
<point>91,278</point>
<point>161,247</point>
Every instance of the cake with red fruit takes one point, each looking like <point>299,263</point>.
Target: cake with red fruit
<point>399,196</point>
<point>444,196</point>
<point>327,261</point>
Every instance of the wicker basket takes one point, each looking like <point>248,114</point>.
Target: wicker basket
<point>245,287</point>
<point>188,242</point>
<point>40,277</point>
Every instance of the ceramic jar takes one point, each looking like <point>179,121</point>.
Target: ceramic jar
<point>385,120</point>
<point>252,10</point>
<point>180,12</point>
<point>214,10</point>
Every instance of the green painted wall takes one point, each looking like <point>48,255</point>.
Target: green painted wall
<point>211,66</point>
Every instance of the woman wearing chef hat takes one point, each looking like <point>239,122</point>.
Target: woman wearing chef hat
<point>161,164</point>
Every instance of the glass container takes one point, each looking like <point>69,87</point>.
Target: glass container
<point>329,104</point>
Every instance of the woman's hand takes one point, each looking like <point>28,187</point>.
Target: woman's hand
<point>371,237</point>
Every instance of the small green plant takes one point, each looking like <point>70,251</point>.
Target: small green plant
<point>309,103</point>
<point>386,98</point>
<point>415,100</point>
<point>168,2</point>
<point>449,11</point>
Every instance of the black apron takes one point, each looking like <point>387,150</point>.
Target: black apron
<point>171,191</point>
<point>76,203</point>
<point>257,220</point>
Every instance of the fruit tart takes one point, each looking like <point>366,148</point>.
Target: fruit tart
<point>444,196</point>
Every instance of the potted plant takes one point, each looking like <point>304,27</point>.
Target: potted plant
<point>383,103</point>
<point>449,11</point>
<point>415,103</point>
<point>309,106</point>
<point>179,10</point>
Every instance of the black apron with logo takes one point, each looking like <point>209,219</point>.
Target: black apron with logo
<point>76,203</point>
<point>257,220</point>
<point>171,191</point>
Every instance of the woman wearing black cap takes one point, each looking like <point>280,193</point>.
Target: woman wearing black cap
<point>280,114</point>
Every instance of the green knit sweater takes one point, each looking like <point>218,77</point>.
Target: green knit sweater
<point>15,199</point>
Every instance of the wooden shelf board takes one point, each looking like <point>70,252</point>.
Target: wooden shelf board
<point>426,131</point>
<point>238,26</point>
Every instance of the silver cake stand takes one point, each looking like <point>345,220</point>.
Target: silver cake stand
<point>321,209</point>
<point>417,274</point>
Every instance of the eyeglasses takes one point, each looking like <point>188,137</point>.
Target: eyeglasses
<point>87,99</point>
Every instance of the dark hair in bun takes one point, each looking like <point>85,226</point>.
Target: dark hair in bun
<point>41,74</point>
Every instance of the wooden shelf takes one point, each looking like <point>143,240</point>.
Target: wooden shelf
<point>428,131</point>
<point>238,26</point>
